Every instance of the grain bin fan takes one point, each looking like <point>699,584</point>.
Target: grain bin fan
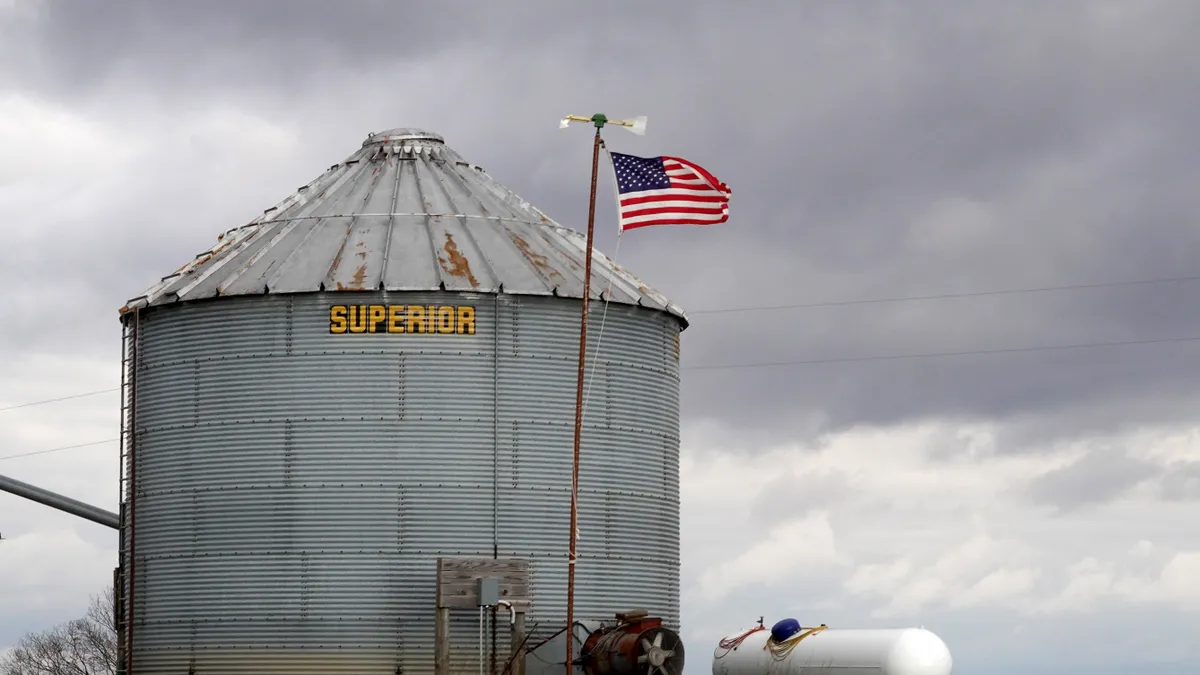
<point>637,645</point>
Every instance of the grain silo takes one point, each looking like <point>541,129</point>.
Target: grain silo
<point>377,373</point>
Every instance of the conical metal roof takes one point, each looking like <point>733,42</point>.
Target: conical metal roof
<point>403,213</point>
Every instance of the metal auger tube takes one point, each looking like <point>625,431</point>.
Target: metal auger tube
<point>57,501</point>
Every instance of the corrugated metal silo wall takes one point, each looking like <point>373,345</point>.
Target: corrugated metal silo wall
<point>296,486</point>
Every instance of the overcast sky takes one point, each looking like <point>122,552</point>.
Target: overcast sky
<point>1037,509</point>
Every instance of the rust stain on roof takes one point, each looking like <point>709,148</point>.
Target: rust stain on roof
<point>455,263</point>
<point>539,261</point>
<point>356,281</point>
<point>359,275</point>
<point>337,259</point>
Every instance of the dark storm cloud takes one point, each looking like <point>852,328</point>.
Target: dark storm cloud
<point>234,44</point>
<point>230,42</point>
<point>874,151</point>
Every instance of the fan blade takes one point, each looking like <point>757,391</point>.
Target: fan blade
<point>639,125</point>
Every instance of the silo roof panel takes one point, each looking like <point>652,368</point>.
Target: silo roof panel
<point>403,213</point>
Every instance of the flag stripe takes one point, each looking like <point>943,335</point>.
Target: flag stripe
<point>659,210</point>
<point>689,210</point>
<point>672,221</point>
<point>670,198</point>
<point>680,193</point>
<point>715,216</point>
<point>700,171</point>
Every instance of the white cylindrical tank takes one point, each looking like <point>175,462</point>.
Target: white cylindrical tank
<point>905,651</point>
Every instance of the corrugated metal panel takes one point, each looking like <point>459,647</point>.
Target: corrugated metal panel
<point>629,479</point>
<point>403,213</point>
<point>296,487</point>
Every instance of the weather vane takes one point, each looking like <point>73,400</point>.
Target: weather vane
<point>637,124</point>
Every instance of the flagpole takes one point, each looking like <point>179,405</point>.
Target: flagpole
<point>638,126</point>
<point>599,120</point>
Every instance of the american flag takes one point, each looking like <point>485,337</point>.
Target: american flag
<point>667,191</point>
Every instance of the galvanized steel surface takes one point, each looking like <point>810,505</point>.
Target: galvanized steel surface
<point>295,487</point>
<point>403,213</point>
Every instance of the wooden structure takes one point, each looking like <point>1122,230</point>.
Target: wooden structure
<point>457,580</point>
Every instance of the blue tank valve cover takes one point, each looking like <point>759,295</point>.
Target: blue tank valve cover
<point>784,629</point>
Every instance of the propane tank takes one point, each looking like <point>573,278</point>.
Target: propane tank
<point>637,643</point>
<point>819,650</point>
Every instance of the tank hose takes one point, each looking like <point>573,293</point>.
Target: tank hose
<point>780,650</point>
<point>731,644</point>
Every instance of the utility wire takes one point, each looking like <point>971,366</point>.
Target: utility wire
<point>946,296</point>
<point>65,447</point>
<point>807,305</point>
<point>847,359</point>
<point>56,400</point>
<point>805,362</point>
<point>931,355</point>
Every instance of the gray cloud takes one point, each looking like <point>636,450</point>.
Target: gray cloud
<point>1101,475</point>
<point>185,45</point>
<point>874,152</point>
<point>787,497</point>
<point>1181,482</point>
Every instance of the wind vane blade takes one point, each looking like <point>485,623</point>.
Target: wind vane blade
<point>637,125</point>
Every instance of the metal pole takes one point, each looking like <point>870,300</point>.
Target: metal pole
<point>57,501</point>
<point>583,323</point>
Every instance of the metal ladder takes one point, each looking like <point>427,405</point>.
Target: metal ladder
<point>123,576</point>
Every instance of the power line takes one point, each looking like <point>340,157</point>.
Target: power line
<point>806,362</point>
<point>946,296</point>
<point>65,447</point>
<point>823,360</point>
<point>829,303</point>
<point>931,355</point>
<point>56,400</point>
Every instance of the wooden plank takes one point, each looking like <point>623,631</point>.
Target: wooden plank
<point>441,642</point>
<point>456,579</point>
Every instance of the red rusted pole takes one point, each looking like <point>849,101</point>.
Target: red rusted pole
<point>583,323</point>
